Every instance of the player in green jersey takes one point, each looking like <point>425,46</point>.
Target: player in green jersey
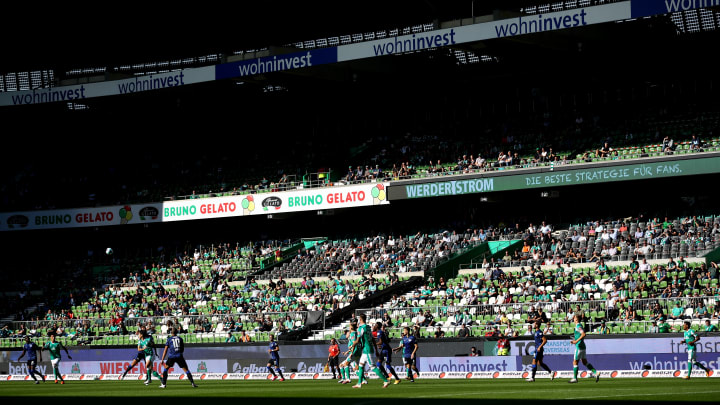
<point>145,353</point>
<point>369,351</point>
<point>353,354</point>
<point>579,342</point>
<point>690,339</point>
<point>54,347</point>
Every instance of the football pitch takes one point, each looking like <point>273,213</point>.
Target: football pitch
<point>436,392</point>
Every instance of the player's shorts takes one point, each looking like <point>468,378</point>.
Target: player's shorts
<point>334,361</point>
<point>180,361</point>
<point>365,358</point>
<point>579,354</point>
<point>408,361</point>
<point>539,356</point>
<point>274,362</point>
<point>149,358</point>
<point>386,356</point>
<point>140,357</point>
<point>692,354</point>
<point>31,363</point>
<point>55,362</point>
<point>352,359</point>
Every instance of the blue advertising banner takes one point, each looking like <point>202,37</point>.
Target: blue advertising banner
<point>469,364</point>
<point>644,8</point>
<point>277,63</point>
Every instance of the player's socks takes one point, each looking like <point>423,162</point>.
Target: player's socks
<point>271,371</point>
<point>689,368</point>
<point>32,374</point>
<point>545,366</point>
<point>361,374</point>
<point>380,374</point>
<point>190,377</point>
<point>379,366</point>
<point>127,370</point>
<point>701,366</point>
<point>591,368</point>
<point>575,371</point>
<point>280,372</point>
<point>392,370</point>
<point>164,378</point>
<point>533,370</point>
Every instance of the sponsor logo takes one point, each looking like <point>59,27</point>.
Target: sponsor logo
<point>468,375</point>
<point>53,219</point>
<point>125,214</point>
<point>89,217</point>
<point>496,374</point>
<point>202,367</point>
<point>676,373</point>
<point>234,376</point>
<point>72,377</point>
<point>149,213</point>
<point>583,374</point>
<point>19,221</point>
<point>271,202</point>
<point>75,368</point>
<point>511,374</point>
<point>454,374</point>
<point>481,374</point>
<point>525,374</point>
<point>213,376</point>
<point>304,376</point>
<point>645,374</point>
<point>248,204</point>
<point>613,374</point>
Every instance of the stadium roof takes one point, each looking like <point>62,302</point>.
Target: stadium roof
<point>63,37</point>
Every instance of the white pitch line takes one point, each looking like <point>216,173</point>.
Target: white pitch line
<point>555,390</point>
<point>648,395</point>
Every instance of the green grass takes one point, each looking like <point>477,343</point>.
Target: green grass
<point>436,392</point>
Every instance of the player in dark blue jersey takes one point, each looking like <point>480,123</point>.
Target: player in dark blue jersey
<point>385,351</point>
<point>540,341</point>
<point>32,351</point>
<point>409,347</point>
<point>174,349</point>
<point>274,361</point>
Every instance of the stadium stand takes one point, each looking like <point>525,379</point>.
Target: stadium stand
<point>277,132</point>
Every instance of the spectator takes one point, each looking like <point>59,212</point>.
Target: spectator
<point>230,338</point>
<point>664,326</point>
<point>473,352</point>
<point>709,327</point>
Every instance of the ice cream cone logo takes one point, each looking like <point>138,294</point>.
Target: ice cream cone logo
<point>125,214</point>
<point>248,204</point>
<point>378,194</point>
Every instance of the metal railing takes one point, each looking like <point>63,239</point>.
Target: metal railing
<point>97,327</point>
<point>557,311</point>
